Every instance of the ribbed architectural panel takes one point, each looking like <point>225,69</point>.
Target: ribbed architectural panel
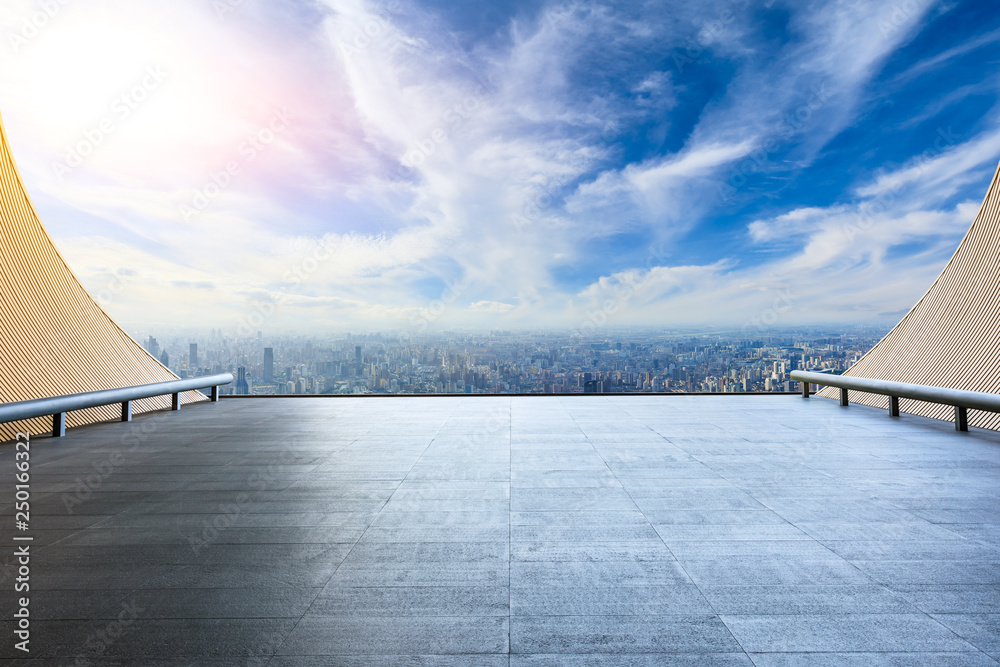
<point>951,338</point>
<point>55,339</point>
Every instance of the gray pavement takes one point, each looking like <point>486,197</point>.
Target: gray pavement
<point>487,531</point>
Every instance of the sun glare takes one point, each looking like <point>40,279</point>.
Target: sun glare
<point>142,93</point>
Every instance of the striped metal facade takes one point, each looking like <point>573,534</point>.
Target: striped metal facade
<point>951,338</point>
<point>54,338</point>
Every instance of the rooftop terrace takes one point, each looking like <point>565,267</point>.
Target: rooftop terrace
<point>483,531</point>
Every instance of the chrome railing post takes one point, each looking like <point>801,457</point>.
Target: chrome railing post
<point>58,424</point>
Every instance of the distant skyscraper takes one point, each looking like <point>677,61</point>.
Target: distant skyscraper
<point>165,359</point>
<point>242,386</point>
<point>357,353</point>
<point>193,356</point>
<point>268,364</point>
<point>152,346</point>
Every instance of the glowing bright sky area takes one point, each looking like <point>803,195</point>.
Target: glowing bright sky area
<point>347,165</point>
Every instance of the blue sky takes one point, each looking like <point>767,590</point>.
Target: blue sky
<point>401,165</point>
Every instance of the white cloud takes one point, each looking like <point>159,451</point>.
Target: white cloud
<point>795,223</point>
<point>491,307</point>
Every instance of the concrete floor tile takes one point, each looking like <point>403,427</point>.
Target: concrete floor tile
<point>397,635</point>
<point>620,634</point>
<point>843,633</point>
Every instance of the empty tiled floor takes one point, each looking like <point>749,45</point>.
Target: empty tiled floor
<point>587,531</point>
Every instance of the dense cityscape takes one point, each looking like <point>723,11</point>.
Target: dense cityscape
<point>501,362</point>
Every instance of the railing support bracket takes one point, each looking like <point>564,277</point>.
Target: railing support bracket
<point>961,418</point>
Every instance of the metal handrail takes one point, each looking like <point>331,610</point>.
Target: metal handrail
<point>962,400</point>
<point>58,406</point>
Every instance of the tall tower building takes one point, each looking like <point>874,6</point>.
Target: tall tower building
<point>268,364</point>
<point>193,356</point>
<point>152,346</point>
<point>357,353</point>
<point>242,386</point>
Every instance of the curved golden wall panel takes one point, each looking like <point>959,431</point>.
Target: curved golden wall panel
<point>951,338</point>
<point>54,338</point>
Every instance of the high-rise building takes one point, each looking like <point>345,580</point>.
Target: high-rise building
<point>165,359</point>
<point>242,386</point>
<point>193,356</point>
<point>357,353</point>
<point>152,346</point>
<point>268,364</point>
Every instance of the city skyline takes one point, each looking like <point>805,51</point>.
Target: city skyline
<point>427,166</point>
<point>505,362</point>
